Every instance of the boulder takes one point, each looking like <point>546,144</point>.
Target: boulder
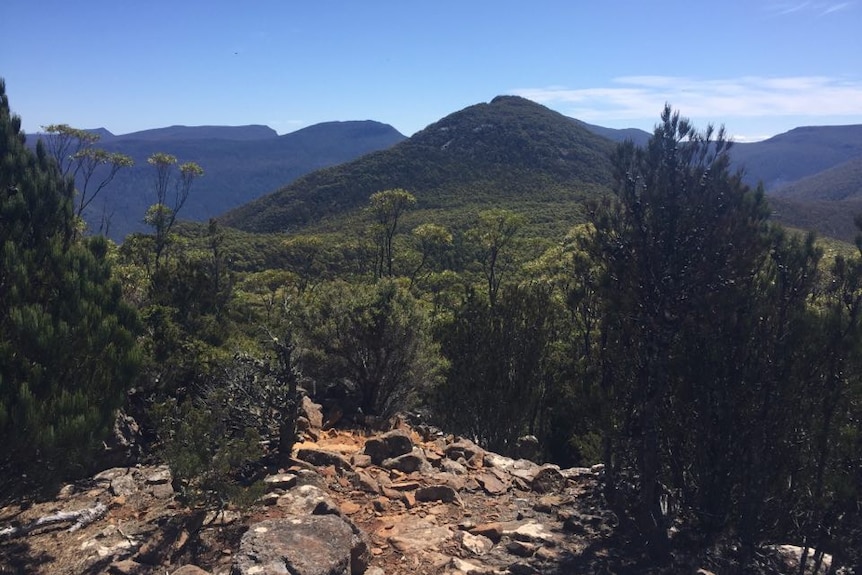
<point>322,458</point>
<point>548,480</point>
<point>408,462</point>
<point>389,445</point>
<point>311,545</point>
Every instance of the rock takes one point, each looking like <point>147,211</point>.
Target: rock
<point>493,531</point>
<point>361,460</point>
<point>492,484</point>
<point>160,476</point>
<point>322,458</point>
<point>389,445</point>
<point>451,466</point>
<point>123,446</point>
<point>791,555</point>
<point>527,447</point>
<point>476,544</point>
<point>124,485</point>
<point>442,493</point>
<point>375,571</point>
<point>313,412</point>
<point>466,449</point>
<point>364,481</point>
<point>127,567</point>
<point>415,534</point>
<point>279,481</point>
<point>314,545</point>
<point>307,500</point>
<point>520,568</point>
<point>463,566</point>
<point>408,463</point>
<point>530,531</point>
<point>548,480</point>
<point>190,570</point>
<point>521,548</point>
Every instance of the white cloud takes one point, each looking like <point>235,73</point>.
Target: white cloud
<point>634,97</point>
<point>756,106</point>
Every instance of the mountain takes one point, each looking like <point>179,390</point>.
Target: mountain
<point>797,154</point>
<point>841,182</point>
<point>236,133</point>
<point>637,136</point>
<point>240,163</point>
<point>486,155</point>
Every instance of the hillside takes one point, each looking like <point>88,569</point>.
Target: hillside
<point>239,163</point>
<point>796,154</point>
<point>843,182</point>
<point>486,155</point>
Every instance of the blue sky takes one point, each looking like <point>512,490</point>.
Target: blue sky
<point>760,67</point>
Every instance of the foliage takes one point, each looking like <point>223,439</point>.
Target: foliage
<point>213,439</point>
<point>386,209</point>
<point>497,366</point>
<point>162,215</point>
<point>369,343</point>
<point>67,339</point>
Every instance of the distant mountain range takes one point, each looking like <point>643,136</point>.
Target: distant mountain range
<point>240,163</point>
<point>510,151</point>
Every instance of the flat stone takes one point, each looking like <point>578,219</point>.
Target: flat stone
<point>521,548</point>
<point>159,476</point>
<point>493,531</point>
<point>190,570</point>
<point>442,493</point>
<point>323,458</point>
<point>476,544</point>
<point>313,545</point>
<point>279,481</point>
<point>530,531</point>
<point>415,534</point>
<point>407,463</point>
<point>492,484</point>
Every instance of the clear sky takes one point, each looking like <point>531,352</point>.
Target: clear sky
<point>760,67</point>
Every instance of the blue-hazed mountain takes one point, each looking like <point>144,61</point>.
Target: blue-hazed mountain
<point>240,163</point>
<point>510,152</point>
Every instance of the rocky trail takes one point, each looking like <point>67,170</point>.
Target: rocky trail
<point>407,501</point>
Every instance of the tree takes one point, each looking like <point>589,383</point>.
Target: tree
<point>497,366</point>
<point>73,150</point>
<point>495,231</point>
<point>432,240</point>
<point>386,208</point>
<point>162,215</point>
<point>683,238</point>
<point>67,339</point>
<point>370,343</point>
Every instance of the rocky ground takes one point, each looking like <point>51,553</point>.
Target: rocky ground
<point>408,501</point>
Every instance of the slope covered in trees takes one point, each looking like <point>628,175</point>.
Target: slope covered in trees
<point>509,151</point>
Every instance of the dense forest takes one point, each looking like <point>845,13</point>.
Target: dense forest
<point>709,358</point>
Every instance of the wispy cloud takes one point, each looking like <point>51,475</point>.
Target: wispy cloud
<point>806,7</point>
<point>633,97</point>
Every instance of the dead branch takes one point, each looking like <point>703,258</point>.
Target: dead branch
<point>81,518</point>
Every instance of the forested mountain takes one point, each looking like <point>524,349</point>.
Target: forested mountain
<point>510,151</point>
<point>799,153</point>
<point>239,163</point>
<point>517,153</point>
<point>842,182</point>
